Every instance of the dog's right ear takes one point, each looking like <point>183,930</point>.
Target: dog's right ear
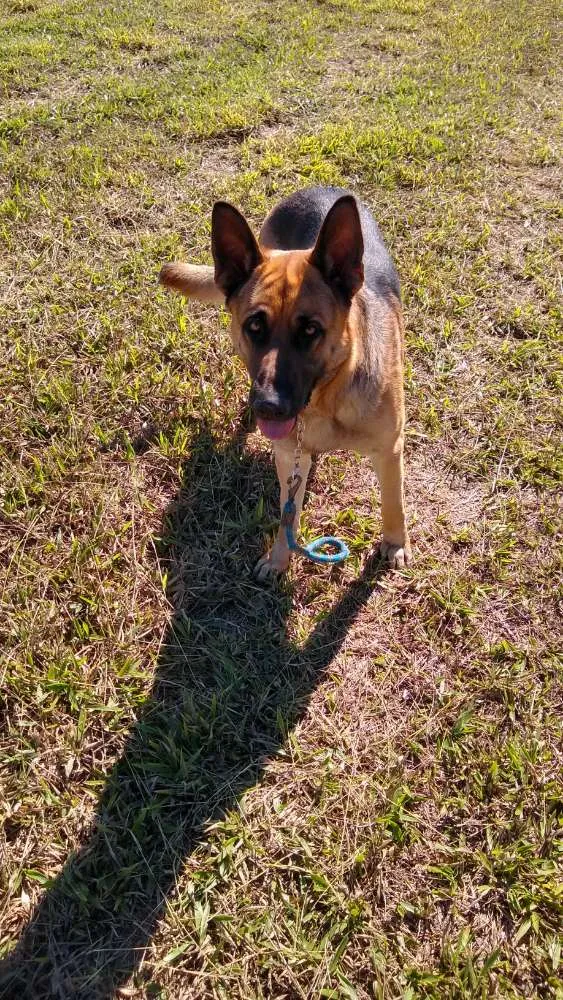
<point>195,281</point>
<point>234,247</point>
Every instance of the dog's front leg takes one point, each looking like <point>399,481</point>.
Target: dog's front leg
<point>388,464</point>
<point>277,560</point>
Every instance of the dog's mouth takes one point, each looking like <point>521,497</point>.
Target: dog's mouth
<point>276,430</point>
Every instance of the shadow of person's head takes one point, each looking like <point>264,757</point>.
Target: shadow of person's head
<point>230,683</point>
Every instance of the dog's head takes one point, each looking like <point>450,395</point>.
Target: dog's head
<point>288,308</point>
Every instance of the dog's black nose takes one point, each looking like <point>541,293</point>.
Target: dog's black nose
<point>270,411</point>
<point>268,404</point>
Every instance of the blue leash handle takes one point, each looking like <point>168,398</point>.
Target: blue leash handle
<point>311,551</point>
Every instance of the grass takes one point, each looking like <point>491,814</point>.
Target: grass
<point>347,786</point>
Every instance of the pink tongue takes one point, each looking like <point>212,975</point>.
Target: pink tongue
<point>276,429</point>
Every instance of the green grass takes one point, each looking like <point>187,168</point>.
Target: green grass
<point>347,786</point>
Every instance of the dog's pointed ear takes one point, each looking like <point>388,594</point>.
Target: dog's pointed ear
<point>195,281</point>
<point>235,250</point>
<point>339,250</point>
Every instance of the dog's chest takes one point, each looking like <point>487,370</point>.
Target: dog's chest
<point>350,429</point>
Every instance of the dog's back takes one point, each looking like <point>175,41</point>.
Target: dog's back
<point>295,223</point>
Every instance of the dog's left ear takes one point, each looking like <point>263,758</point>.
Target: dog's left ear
<point>234,247</point>
<point>339,250</point>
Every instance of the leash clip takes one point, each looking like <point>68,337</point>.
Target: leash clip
<point>294,482</point>
<point>288,514</point>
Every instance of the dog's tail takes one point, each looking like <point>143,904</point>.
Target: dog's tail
<point>195,281</point>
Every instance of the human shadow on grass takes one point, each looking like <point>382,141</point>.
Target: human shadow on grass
<point>229,685</point>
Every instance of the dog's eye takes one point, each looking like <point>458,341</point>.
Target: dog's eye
<point>256,327</point>
<point>311,329</point>
<point>308,332</point>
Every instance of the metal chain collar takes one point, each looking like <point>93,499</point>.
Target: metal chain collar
<point>294,481</point>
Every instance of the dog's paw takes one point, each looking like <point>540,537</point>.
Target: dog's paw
<point>398,556</point>
<point>270,566</point>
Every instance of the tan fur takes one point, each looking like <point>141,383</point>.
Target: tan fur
<point>345,412</point>
<point>195,281</point>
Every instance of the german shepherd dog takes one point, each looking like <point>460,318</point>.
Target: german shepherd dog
<point>316,318</point>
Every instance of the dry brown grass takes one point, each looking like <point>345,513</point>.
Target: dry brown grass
<point>347,786</point>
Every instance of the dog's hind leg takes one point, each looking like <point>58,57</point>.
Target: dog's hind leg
<point>395,545</point>
<point>277,560</point>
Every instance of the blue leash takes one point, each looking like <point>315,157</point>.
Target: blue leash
<point>310,551</point>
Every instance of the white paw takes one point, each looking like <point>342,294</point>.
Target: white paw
<point>270,566</point>
<point>398,556</point>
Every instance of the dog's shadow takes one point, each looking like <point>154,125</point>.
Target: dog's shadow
<point>230,684</point>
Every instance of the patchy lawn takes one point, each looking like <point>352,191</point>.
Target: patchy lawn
<point>349,785</point>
